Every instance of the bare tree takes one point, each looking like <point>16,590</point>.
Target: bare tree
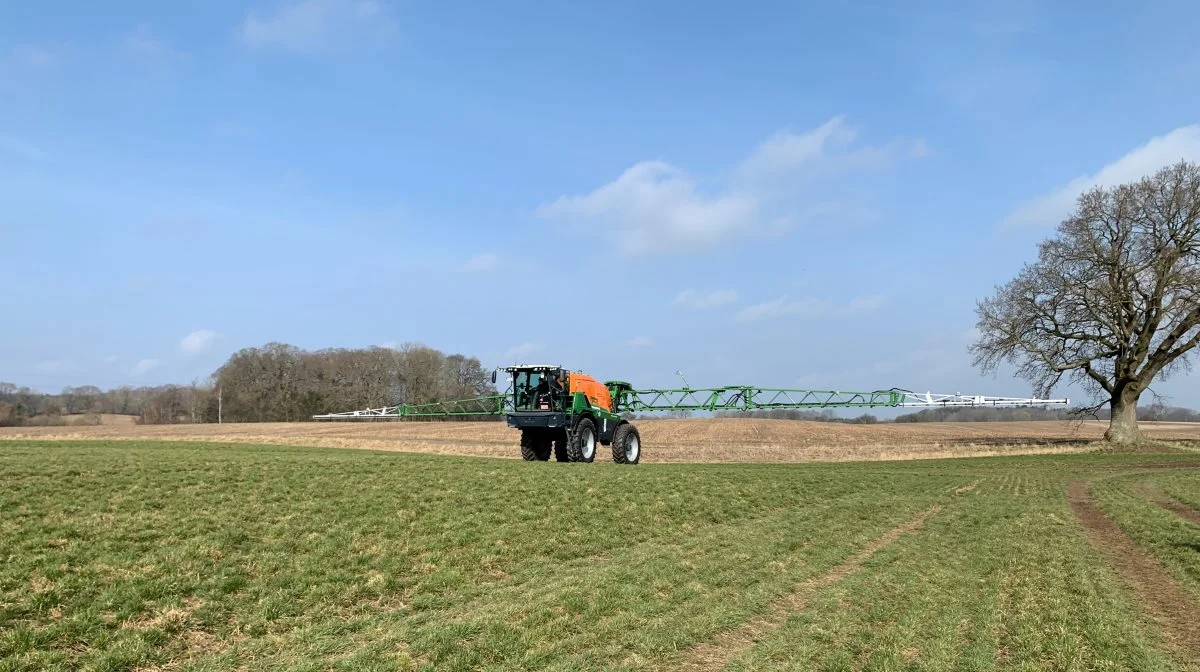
<point>1113,301</point>
<point>89,396</point>
<point>420,373</point>
<point>121,400</point>
<point>71,400</point>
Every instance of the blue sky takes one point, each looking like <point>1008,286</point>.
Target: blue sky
<point>764,193</point>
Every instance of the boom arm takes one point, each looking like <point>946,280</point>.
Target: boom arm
<point>732,398</point>
<point>738,398</point>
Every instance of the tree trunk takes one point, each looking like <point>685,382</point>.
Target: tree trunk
<point>1122,427</point>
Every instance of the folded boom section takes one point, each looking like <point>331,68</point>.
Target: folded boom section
<point>493,404</point>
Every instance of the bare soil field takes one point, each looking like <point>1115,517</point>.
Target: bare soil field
<point>690,440</point>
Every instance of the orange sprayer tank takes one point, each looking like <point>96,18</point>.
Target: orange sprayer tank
<point>596,392</point>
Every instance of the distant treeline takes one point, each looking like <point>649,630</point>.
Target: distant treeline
<point>23,406</point>
<point>274,383</point>
<point>280,382</point>
<point>1156,412</point>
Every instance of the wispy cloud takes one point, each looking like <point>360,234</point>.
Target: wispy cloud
<point>22,149</point>
<point>143,367</point>
<point>32,57</point>
<point>929,363</point>
<point>810,308</point>
<point>482,262</point>
<point>144,44</point>
<point>1180,144</point>
<point>317,25</point>
<point>54,366</point>
<point>233,130</point>
<point>523,350</point>
<point>198,341</point>
<point>640,342</point>
<point>697,299</point>
<point>825,150</point>
<point>111,359</point>
<point>655,207</point>
<point>995,90</point>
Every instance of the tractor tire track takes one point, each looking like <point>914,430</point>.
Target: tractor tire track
<point>716,653</point>
<point>1165,501</point>
<point>1156,591</point>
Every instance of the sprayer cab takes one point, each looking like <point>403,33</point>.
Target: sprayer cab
<point>566,414</point>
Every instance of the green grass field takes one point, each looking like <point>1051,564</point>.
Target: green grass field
<point>127,556</point>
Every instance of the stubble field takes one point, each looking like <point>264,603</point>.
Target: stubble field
<point>672,441</point>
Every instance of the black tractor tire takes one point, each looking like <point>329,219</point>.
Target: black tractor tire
<point>560,446</point>
<point>627,445</point>
<point>535,446</point>
<point>581,441</point>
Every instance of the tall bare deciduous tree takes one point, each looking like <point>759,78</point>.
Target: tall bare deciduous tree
<point>1113,301</point>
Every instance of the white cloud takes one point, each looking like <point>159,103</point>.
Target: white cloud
<point>523,350</point>
<point>143,367</point>
<point>656,207</point>
<point>111,359</point>
<point>696,299</point>
<point>390,345</point>
<point>198,341</point>
<point>1180,144</point>
<point>640,342</point>
<point>317,25</point>
<point>482,262</point>
<point>809,308</point>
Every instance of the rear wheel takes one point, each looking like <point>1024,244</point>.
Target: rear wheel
<point>535,446</point>
<point>627,445</point>
<point>581,447</point>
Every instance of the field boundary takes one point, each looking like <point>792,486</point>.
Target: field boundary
<point>716,653</point>
<point>1156,591</point>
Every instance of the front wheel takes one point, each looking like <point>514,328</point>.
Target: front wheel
<point>535,446</point>
<point>581,447</point>
<point>626,445</point>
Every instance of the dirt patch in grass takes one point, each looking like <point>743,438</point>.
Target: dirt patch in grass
<point>1162,598</point>
<point>715,654</point>
<point>1154,494</point>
